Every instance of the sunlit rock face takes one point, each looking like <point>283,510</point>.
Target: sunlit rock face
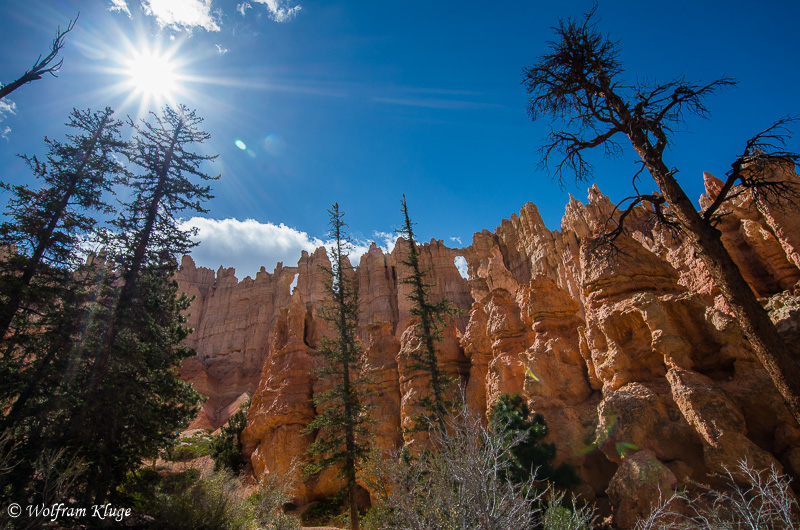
<point>645,380</point>
<point>232,321</point>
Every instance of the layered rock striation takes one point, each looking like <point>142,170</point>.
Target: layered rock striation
<point>645,380</point>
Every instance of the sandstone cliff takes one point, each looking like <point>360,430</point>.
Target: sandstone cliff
<point>644,379</point>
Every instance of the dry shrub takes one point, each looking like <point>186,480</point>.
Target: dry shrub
<point>750,499</point>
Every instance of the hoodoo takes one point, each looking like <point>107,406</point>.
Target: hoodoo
<point>643,376</point>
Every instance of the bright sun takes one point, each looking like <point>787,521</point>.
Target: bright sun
<point>152,75</point>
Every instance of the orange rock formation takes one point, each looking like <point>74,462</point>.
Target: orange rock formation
<point>644,379</point>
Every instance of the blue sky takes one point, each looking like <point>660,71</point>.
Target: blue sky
<point>359,102</point>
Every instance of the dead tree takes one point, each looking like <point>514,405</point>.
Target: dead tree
<point>44,65</point>
<point>579,83</point>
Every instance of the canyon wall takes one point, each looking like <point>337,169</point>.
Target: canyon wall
<point>644,378</point>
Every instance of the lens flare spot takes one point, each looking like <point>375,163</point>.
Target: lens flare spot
<point>623,448</point>
<point>274,144</point>
<point>240,144</point>
<point>602,437</point>
<point>530,374</point>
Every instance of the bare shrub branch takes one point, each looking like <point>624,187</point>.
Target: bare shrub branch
<point>751,499</point>
<point>754,171</point>
<point>459,483</point>
<point>44,65</point>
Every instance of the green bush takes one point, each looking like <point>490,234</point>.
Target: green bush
<point>190,448</point>
<point>187,501</point>
<point>511,417</point>
<point>378,517</point>
<point>179,482</point>
<point>211,503</point>
<point>557,516</point>
<point>226,450</point>
<point>140,488</point>
<point>269,502</point>
<point>322,512</point>
<point>184,453</point>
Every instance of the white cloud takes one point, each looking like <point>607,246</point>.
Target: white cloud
<point>243,7</point>
<point>182,14</point>
<point>456,240</point>
<point>279,10</point>
<point>247,245</point>
<point>120,6</point>
<point>384,240</point>
<point>6,107</point>
<point>461,265</point>
<point>221,50</point>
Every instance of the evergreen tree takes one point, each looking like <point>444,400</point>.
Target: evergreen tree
<point>42,237</point>
<point>342,436</point>
<point>130,398</point>
<point>43,277</point>
<point>141,403</point>
<point>41,273</point>
<point>147,227</point>
<point>226,446</point>
<point>432,316</point>
<point>511,417</point>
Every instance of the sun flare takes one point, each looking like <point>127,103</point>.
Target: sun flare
<point>152,74</point>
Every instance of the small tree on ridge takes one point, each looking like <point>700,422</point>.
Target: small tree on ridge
<point>342,437</point>
<point>432,317</point>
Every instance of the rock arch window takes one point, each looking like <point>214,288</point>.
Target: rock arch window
<point>461,264</point>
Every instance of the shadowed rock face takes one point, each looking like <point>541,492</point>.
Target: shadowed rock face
<point>644,379</point>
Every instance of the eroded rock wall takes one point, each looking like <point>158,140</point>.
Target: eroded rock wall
<point>644,379</point>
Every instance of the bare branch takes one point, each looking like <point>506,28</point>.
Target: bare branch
<point>710,213</point>
<point>754,170</point>
<point>44,65</point>
<point>577,83</point>
<point>570,148</point>
<point>660,214</point>
<point>687,96</point>
<point>561,80</point>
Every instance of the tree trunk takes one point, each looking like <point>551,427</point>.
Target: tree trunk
<point>354,523</point>
<point>131,276</point>
<point>772,351</point>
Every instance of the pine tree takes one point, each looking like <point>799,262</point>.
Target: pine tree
<point>226,446</point>
<point>43,279</point>
<point>141,403</point>
<point>511,417</point>
<point>133,402</point>
<point>42,237</point>
<point>432,316</point>
<point>41,273</point>
<point>147,226</point>
<point>342,436</point>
